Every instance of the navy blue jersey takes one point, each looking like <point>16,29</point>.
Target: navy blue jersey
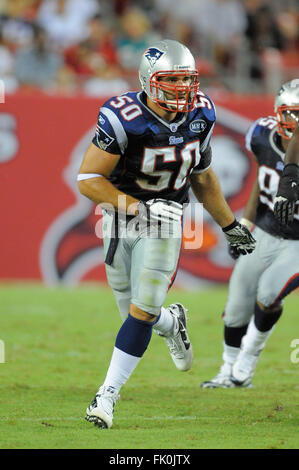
<point>156,156</point>
<point>262,139</point>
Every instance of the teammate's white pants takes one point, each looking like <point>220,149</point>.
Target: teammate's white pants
<point>268,274</point>
<point>142,269</point>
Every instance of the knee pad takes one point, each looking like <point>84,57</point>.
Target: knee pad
<point>151,290</point>
<point>266,296</point>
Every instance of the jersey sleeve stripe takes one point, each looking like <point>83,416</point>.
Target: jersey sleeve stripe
<point>120,134</point>
<point>198,172</point>
<point>207,140</point>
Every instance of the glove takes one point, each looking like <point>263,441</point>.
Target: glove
<point>233,252</point>
<point>287,194</point>
<point>239,237</point>
<point>160,210</point>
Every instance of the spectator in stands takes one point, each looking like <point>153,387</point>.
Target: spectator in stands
<point>273,47</point>
<point>135,36</point>
<point>95,61</point>
<point>262,30</point>
<point>97,52</point>
<point>214,28</point>
<point>16,25</point>
<point>38,65</point>
<point>66,21</point>
<point>7,67</point>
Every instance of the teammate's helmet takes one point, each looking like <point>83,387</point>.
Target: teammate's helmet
<point>164,59</point>
<point>287,108</point>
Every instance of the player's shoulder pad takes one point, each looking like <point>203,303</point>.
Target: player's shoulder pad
<point>258,132</point>
<point>114,117</point>
<point>125,107</point>
<point>204,104</point>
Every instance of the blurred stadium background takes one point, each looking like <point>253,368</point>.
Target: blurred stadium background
<point>61,59</point>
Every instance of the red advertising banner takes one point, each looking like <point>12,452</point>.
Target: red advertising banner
<point>48,227</point>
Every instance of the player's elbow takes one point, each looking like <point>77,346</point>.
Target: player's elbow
<point>83,187</point>
<point>86,189</point>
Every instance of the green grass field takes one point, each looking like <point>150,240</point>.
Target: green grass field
<point>58,344</point>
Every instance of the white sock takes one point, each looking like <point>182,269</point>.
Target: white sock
<point>121,367</point>
<point>230,354</point>
<point>165,323</point>
<point>254,340</point>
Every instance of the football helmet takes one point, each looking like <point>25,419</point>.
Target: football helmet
<point>287,108</point>
<point>168,76</point>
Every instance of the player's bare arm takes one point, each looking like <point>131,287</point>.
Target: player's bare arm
<point>99,189</point>
<point>249,215</point>
<point>207,190</point>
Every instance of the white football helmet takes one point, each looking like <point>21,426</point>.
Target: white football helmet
<point>287,108</point>
<point>168,58</point>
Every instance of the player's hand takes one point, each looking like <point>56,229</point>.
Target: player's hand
<point>233,252</point>
<point>240,238</point>
<point>287,194</point>
<point>160,210</point>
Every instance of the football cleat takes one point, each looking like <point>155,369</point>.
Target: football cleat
<point>100,411</point>
<point>221,380</point>
<point>178,342</point>
<point>244,367</point>
<point>224,379</point>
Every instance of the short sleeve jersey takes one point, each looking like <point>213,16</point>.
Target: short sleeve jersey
<point>156,156</point>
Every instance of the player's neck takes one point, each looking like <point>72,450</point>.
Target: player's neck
<point>163,113</point>
<point>284,144</point>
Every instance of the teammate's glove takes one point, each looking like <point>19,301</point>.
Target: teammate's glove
<point>239,237</point>
<point>160,210</point>
<point>287,194</point>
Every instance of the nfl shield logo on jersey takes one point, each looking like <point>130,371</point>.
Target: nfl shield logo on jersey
<point>153,54</point>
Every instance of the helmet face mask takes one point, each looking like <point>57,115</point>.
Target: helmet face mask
<point>288,118</point>
<point>174,91</point>
<point>287,108</point>
<point>168,76</point>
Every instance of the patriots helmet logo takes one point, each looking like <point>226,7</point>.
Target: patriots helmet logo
<point>153,54</point>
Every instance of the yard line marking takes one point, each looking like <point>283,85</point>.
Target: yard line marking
<point>72,418</point>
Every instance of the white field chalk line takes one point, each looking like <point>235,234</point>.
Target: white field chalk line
<point>72,418</point>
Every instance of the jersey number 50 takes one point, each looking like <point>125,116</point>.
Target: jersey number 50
<point>168,154</point>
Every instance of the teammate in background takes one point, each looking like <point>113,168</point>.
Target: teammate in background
<point>288,189</point>
<point>148,148</point>
<point>260,281</point>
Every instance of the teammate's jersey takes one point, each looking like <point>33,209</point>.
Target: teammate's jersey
<point>157,156</point>
<point>262,139</point>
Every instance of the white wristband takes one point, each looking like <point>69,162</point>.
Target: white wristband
<point>247,223</point>
<point>87,176</point>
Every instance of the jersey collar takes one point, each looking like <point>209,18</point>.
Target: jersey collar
<point>165,123</point>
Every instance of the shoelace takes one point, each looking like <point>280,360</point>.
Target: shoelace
<point>113,396</point>
<point>174,350</point>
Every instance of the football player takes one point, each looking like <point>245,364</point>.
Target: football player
<point>261,281</point>
<point>149,147</point>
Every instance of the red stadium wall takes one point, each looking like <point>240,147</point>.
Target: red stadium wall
<point>47,227</point>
